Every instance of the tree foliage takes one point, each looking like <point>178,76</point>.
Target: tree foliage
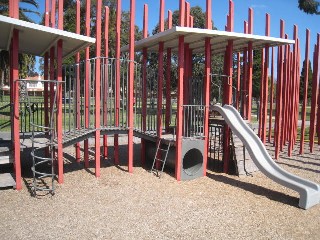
<point>309,6</point>
<point>302,83</point>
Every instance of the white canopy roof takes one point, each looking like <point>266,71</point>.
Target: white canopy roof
<point>36,39</point>
<point>195,37</point>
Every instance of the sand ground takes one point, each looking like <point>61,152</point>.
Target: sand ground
<point>120,205</point>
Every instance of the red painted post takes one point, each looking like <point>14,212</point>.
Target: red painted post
<point>187,15</point>
<point>261,94</point>
<point>160,79</point>
<point>131,85</point>
<point>294,102</point>
<point>191,21</point>
<point>14,8</point>
<point>244,91</point>
<point>315,86</point>
<point>181,64</point>
<point>228,89</point>
<point>87,85</point>
<point>77,59</point>
<point>250,65</point>
<point>144,84</point>
<point>46,16</point>
<point>59,112</point>
<point>117,114</point>
<point>168,80</point>
<point>53,13</point>
<point>238,80</point>
<point>106,88</point>
<point>179,106</point>
<point>182,13</point>
<point>16,129</point>
<point>271,96</point>
<point>265,83</point>
<point>60,14</point>
<point>278,120</point>
<point>97,88</point>
<point>46,76</point>
<point>207,85</point>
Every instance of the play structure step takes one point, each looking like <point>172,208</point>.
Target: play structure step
<point>7,180</point>
<point>165,152</point>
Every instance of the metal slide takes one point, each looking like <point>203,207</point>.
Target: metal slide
<point>309,191</point>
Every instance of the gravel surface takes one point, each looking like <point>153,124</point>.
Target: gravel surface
<point>120,205</point>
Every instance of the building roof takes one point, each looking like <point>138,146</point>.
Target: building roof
<point>37,39</point>
<point>195,37</point>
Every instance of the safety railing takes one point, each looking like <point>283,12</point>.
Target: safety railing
<point>193,121</point>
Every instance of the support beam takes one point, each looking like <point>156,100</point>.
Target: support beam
<point>250,65</point>
<point>97,98</point>
<point>179,108</point>
<point>131,85</point>
<point>87,85</point>
<point>144,83</point>
<point>16,124</point>
<point>106,78</point>
<point>117,113</point>
<point>271,96</point>
<point>59,112</point>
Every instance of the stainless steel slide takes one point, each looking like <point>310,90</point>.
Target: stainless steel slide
<point>309,191</point>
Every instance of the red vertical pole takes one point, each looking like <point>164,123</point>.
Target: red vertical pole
<point>16,129</point>
<point>131,85</point>
<point>59,95</point>
<point>46,16</point>
<point>261,94</point>
<point>46,77</point>
<point>315,86</point>
<point>144,84</point>
<point>244,91</point>
<point>160,78</point>
<point>238,80</point>
<point>180,95</point>
<point>60,14</point>
<point>97,88</point>
<point>59,112</point>
<point>250,65</point>
<point>228,89</point>
<point>278,120</point>
<point>187,15</point>
<point>117,113</point>
<point>182,13</point>
<point>294,93</point>
<point>179,108</point>
<point>168,79</point>
<point>87,85</point>
<point>266,82</point>
<point>53,13</point>
<point>77,58</point>
<point>106,87</point>
<point>271,96</point>
<point>207,85</point>
<point>14,8</point>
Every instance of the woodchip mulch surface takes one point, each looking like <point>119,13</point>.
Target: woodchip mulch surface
<point>120,205</point>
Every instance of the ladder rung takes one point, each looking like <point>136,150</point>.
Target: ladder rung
<point>160,160</point>
<point>162,149</point>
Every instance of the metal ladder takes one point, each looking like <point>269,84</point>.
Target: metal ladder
<point>162,150</point>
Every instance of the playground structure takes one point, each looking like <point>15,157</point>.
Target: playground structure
<point>101,96</point>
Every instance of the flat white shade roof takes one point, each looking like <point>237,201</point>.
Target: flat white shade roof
<point>36,39</point>
<point>195,37</point>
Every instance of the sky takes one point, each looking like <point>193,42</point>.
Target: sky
<point>284,9</point>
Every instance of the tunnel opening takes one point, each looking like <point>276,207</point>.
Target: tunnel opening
<point>192,161</point>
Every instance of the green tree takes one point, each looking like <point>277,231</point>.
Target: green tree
<point>309,6</point>
<point>302,83</point>
<point>256,73</point>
